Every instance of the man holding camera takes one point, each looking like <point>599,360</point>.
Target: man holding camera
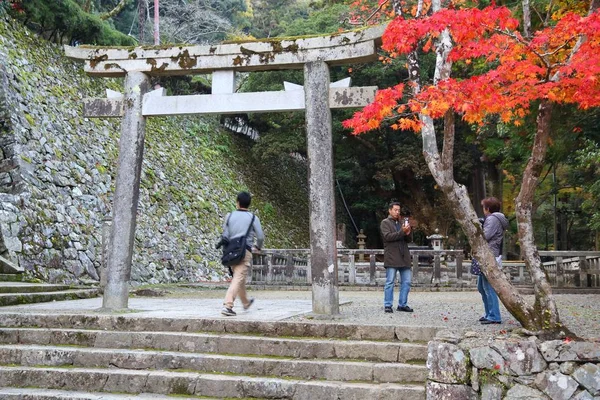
<point>396,258</point>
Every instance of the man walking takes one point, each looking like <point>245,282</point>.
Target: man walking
<point>396,258</point>
<point>237,224</point>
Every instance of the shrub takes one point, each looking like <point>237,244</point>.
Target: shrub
<point>64,20</point>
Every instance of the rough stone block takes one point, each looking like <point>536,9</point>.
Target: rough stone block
<point>487,358</point>
<point>522,392</point>
<point>522,357</point>
<point>447,363</point>
<point>444,391</point>
<point>589,377</point>
<point>556,385</point>
<point>491,391</point>
<point>559,350</point>
<point>583,395</point>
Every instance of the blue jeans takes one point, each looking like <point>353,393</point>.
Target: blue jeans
<point>491,304</point>
<point>388,289</point>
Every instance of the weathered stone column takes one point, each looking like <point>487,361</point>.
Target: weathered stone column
<point>325,296</point>
<point>127,192</point>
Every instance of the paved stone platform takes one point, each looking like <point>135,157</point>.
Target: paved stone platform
<point>262,310</point>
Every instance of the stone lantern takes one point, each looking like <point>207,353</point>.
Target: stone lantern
<point>361,244</point>
<point>437,240</point>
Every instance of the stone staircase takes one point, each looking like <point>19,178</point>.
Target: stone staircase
<point>15,293</point>
<point>14,290</point>
<point>74,356</point>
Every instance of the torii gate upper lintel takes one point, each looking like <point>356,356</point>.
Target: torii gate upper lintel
<point>317,97</point>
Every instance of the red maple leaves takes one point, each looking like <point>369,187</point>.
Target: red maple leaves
<point>519,70</point>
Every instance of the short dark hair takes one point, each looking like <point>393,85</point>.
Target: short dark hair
<point>491,203</point>
<point>392,204</point>
<point>244,199</point>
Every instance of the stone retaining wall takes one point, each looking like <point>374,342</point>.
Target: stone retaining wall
<point>57,173</point>
<point>512,367</point>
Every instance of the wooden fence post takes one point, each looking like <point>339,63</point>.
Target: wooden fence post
<point>459,260</point>
<point>270,258</point>
<point>289,268</point>
<point>415,266</point>
<point>351,269</point>
<point>372,269</point>
<point>583,275</point>
<point>437,273</point>
<point>560,272</point>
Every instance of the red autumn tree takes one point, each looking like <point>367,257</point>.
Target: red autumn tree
<point>528,73</point>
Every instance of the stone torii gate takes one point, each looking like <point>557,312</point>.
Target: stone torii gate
<point>317,97</point>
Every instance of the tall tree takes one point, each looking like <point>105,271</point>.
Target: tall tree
<point>559,64</point>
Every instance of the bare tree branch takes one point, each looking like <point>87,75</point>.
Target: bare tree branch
<point>118,8</point>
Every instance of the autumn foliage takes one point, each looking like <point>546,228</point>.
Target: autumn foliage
<point>520,70</point>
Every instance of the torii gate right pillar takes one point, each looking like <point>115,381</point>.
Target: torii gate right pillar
<point>323,257</point>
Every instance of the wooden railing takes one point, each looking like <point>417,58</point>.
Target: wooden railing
<point>430,268</point>
<point>567,269</point>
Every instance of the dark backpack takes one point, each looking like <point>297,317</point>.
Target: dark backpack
<point>235,250</point>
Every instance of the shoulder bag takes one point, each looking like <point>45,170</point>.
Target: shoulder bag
<point>235,250</point>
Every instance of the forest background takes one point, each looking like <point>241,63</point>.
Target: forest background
<point>379,166</point>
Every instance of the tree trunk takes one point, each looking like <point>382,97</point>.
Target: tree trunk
<point>546,317</point>
<point>543,316</point>
<point>526,19</point>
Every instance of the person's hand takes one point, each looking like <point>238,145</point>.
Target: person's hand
<point>255,250</point>
<point>406,229</point>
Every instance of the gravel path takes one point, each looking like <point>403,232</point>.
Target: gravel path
<point>454,310</point>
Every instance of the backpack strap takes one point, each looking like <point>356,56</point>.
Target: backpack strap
<point>250,227</point>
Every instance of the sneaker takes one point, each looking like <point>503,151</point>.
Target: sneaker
<point>405,309</point>
<point>228,312</point>
<point>488,322</point>
<point>249,304</point>
<point>388,309</point>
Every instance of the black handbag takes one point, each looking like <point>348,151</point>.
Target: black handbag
<point>235,250</point>
<point>475,267</point>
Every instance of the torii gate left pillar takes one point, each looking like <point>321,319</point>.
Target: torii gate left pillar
<point>319,146</point>
<point>127,191</point>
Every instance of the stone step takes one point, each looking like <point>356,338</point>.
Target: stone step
<point>11,277</point>
<point>379,351</point>
<point>331,370</point>
<point>48,394</point>
<point>9,299</point>
<point>200,384</point>
<point>131,322</point>
<point>22,287</point>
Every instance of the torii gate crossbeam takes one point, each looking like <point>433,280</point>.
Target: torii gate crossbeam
<point>317,97</point>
